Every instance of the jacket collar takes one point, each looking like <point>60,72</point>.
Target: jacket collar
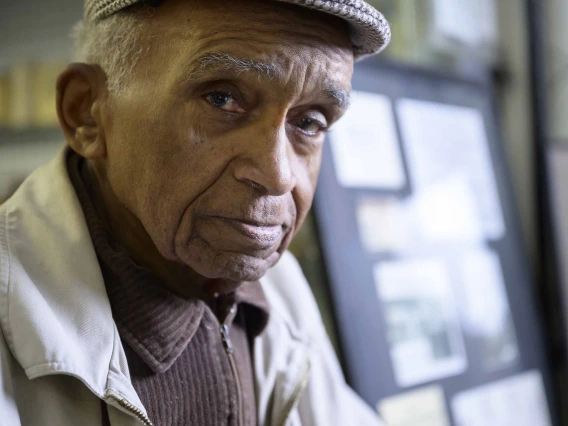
<point>56,314</point>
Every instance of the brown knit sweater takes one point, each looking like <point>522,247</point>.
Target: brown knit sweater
<point>182,367</point>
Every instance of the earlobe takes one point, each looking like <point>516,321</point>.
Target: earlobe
<point>80,92</point>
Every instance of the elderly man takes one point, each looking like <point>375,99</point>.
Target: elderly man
<point>130,266</point>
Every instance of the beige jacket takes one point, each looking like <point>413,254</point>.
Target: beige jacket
<point>60,352</point>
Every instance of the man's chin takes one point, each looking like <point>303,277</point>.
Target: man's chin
<point>232,266</point>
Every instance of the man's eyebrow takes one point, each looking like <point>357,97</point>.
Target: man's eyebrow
<point>215,62</point>
<point>341,97</point>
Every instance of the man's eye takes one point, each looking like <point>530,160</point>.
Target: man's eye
<point>224,101</point>
<point>310,126</point>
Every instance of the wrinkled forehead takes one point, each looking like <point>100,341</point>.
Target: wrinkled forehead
<point>272,40</point>
<point>253,16</point>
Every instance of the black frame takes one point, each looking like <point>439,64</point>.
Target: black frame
<point>550,287</point>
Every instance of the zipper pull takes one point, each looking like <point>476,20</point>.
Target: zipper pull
<point>224,329</point>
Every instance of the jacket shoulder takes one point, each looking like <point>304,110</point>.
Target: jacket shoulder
<point>290,296</point>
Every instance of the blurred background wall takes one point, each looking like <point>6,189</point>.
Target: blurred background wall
<point>34,47</point>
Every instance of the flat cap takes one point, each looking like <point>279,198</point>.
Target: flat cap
<point>370,31</point>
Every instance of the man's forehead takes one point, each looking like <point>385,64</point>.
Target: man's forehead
<point>212,63</point>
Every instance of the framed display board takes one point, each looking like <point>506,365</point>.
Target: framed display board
<point>433,297</point>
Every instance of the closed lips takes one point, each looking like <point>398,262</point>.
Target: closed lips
<point>268,234</point>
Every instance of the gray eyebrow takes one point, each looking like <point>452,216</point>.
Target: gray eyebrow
<point>223,62</point>
<point>340,96</point>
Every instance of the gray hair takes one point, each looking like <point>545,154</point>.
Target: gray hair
<point>112,43</point>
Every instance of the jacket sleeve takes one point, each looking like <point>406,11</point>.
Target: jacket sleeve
<point>340,405</point>
<point>9,415</point>
<point>328,399</point>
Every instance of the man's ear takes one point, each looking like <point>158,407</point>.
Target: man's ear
<point>81,91</point>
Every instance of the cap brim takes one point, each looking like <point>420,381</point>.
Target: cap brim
<point>370,31</point>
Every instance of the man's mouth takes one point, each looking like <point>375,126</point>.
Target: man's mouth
<point>263,235</point>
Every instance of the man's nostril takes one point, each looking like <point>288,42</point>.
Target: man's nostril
<point>255,185</point>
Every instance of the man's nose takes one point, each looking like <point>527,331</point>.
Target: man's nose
<point>267,162</point>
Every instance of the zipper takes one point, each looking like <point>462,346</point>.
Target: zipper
<point>131,408</point>
<point>226,339</point>
<point>296,393</point>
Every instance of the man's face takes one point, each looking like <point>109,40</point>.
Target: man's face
<point>215,143</point>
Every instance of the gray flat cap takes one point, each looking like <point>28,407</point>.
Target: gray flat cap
<point>370,31</point>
